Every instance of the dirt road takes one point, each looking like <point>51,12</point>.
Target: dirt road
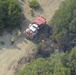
<point>11,54</point>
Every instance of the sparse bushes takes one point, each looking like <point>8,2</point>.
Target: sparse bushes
<point>34,4</point>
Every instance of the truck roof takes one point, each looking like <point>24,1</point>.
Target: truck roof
<point>32,28</point>
<point>40,20</point>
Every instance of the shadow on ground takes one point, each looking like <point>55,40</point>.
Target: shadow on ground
<point>5,38</point>
<point>43,34</point>
<point>46,48</point>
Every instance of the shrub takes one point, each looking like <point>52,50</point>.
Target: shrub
<point>34,4</point>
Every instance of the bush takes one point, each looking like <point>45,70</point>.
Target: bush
<point>34,4</point>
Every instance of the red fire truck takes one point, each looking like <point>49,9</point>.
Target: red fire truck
<point>34,27</point>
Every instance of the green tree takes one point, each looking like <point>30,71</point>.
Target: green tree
<point>72,60</point>
<point>10,14</point>
<point>64,28</point>
<point>34,4</point>
<point>69,61</point>
<point>50,66</point>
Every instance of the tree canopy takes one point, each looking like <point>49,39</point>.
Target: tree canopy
<point>64,25</point>
<point>10,14</point>
<point>50,66</point>
<point>57,64</point>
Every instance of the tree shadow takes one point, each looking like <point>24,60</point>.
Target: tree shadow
<point>6,38</point>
